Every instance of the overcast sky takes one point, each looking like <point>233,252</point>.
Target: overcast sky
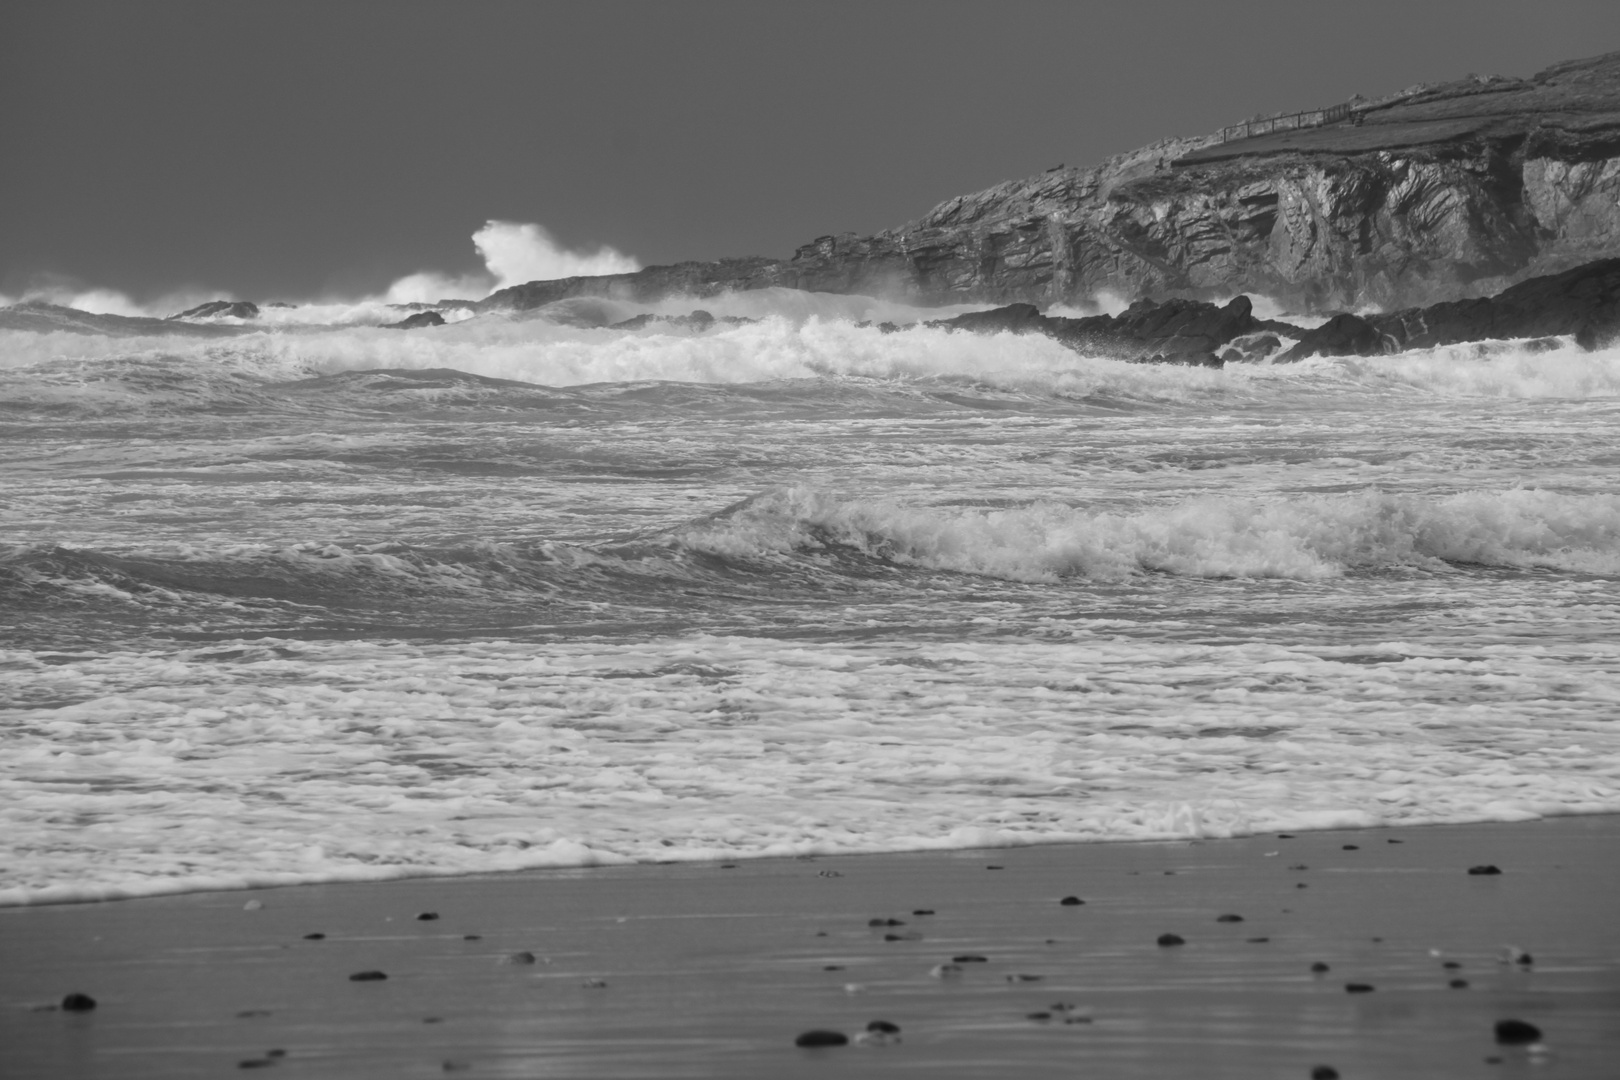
<point>295,150</point>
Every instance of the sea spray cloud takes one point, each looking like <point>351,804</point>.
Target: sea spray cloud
<point>513,253</point>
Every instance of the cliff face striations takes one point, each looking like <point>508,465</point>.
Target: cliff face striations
<point>1436,193</point>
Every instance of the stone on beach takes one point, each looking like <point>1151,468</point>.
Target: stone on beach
<point>822,1037</point>
<point>1517,1032</point>
<point>1167,940</point>
<point>368,976</point>
<point>77,1002</point>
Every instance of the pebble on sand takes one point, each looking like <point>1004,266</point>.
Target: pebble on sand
<point>77,1002</point>
<point>368,976</point>
<point>315,937</point>
<point>524,957</point>
<point>1071,901</point>
<point>1320,967</point>
<point>884,1026</point>
<point>1352,847</point>
<point>885,922</point>
<point>821,1037</point>
<point>1228,918</point>
<point>1324,1072</point>
<point>1516,1032</point>
<point>1358,988</point>
<point>427,916</point>
<point>1458,984</point>
<point>923,911</point>
<point>1171,939</point>
<point>1484,870</point>
<point>970,958</point>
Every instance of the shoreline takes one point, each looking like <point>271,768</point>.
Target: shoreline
<point>712,969</point>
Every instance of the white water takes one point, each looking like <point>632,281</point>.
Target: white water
<point>780,587</point>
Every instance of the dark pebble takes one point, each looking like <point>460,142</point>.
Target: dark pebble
<point>1071,901</point>
<point>472,937</point>
<point>1394,841</point>
<point>524,957</point>
<point>1301,885</point>
<point>1320,967</point>
<point>902,937</point>
<point>256,1063</point>
<point>884,922</point>
<point>1352,847</point>
<point>367,976</point>
<point>970,958</point>
<point>728,866</point>
<point>833,967</point>
<point>1285,836</point>
<point>1228,918</point>
<point>1040,1016</point>
<point>1377,940</point>
<point>1172,939</point>
<point>1450,965</point>
<point>1358,988</point>
<point>1299,866</point>
<point>1482,871</point>
<point>78,1003</point>
<point>822,1038</point>
<point>455,1066</point>
<point>995,868</point>
<point>1257,940</point>
<point>1516,1032</point>
<point>923,911</point>
<point>1324,1072</point>
<point>884,1026</point>
<point>427,916</point>
<point>1458,984</point>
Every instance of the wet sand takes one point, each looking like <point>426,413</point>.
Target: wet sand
<point>713,970</point>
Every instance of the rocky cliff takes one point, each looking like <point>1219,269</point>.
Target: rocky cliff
<point>1436,193</point>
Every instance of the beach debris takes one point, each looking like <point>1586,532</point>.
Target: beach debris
<point>821,1037</point>
<point>427,916</point>
<point>1516,1032</point>
<point>885,922</point>
<point>594,984</point>
<point>1071,901</point>
<point>1167,940</point>
<point>524,957</point>
<point>253,905</point>
<point>1228,918</point>
<point>1484,870</point>
<point>1358,988</point>
<point>1458,984</point>
<point>368,976</point>
<point>76,1002</point>
<point>317,936</point>
<point>1512,954</point>
<point>970,958</point>
<point>878,1033</point>
<point>1020,978</point>
<point>1324,1072</point>
<point>1320,967</point>
<point>946,971</point>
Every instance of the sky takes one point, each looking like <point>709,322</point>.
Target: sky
<point>301,150</point>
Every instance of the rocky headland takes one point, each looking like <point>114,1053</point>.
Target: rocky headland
<point>1436,193</point>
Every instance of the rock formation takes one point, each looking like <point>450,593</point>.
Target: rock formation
<point>1436,193</point>
<point>221,309</point>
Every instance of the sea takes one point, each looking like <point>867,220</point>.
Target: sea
<point>309,599</point>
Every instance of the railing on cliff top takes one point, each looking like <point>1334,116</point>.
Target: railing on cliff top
<point>1292,122</point>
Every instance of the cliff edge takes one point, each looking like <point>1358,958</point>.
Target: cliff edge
<point>1437,193</point>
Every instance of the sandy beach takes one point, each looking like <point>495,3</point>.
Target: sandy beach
<point>708,970</point>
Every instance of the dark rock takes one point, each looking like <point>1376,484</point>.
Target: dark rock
<point>1483,871</point>
<point>1039,1016</point>
<point>1228,918</point>
<point>923,911</point>
<point>427,916</point>
<point>821,1037</point>
<point>832,967</point>
<point>520,959</point>
<point>1450,965</point>
<point>368,976</point>
<point>1516,1032</point>
<point>1071,901</point>
<point>1394,841</point>
<point>315,937</point>
<point>76,1002</point>
<point>1324,1072</point>
<point>1171,939</point>
<point>417,321</point>
<point>214,309</point>
<point>913,936</point>
<point>256,1063</point>
<point>884,1026</point>
<point>1352,847</point>
<point>970,958</point>
<point>1358,988</point>
<point>1257,940</point>
<point>1320,967</point>
<point>1285,836</point>
<point>1583,302</point>
<point>995,868</point>
<point>1458,984</point>
<point>472,937</point>
<point>885,922</point>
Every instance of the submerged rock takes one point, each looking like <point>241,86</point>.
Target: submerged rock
<point>221,309</point>
<point>417,321</point>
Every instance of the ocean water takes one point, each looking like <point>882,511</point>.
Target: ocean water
<point>324,601</point>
